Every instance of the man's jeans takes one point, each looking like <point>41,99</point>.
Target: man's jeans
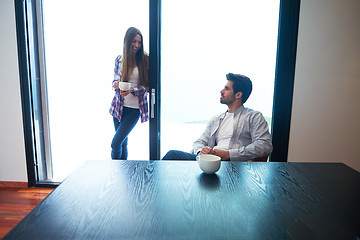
<point>179,155</point>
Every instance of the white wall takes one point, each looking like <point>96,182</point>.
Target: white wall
<point>12,149</point>
<point>325,124</point>
<point>325,118</point>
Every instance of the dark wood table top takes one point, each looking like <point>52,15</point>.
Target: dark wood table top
<point>174,200</point>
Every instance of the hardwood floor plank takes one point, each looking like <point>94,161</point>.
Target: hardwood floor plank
<point>17,202</point>
<point>9,184</point>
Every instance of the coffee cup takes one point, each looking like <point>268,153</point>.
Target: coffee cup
<point>124,86</point>
<point>209,163</point>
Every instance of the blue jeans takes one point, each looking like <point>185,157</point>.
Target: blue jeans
<point>179,155</point>
<point>119,143</point>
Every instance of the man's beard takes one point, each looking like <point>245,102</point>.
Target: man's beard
<point>227,102</point>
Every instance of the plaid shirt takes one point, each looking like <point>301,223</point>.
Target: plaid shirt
<point>117,103</point>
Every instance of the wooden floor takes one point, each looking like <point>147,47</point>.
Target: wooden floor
<point>16,203</point>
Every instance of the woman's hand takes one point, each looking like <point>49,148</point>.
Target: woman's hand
<point>125,93</point>
<point>116,84</point>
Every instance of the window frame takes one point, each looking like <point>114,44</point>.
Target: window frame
<point>284,78</point>
<point>33,91</point>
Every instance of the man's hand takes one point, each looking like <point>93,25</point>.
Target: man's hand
<point>207,150</point>
<point>225,155</point>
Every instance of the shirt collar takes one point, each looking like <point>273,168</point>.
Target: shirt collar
<point>236,112</point>
<point>239,110</point>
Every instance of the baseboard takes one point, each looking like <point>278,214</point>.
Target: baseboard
<point>13,184</point>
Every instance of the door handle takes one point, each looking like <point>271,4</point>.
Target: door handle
<point>152,109</point>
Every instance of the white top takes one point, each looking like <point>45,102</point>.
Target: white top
<point>225,132</point>
<point>130,100</point>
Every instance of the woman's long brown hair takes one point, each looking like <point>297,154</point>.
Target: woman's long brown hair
<point>141,58</point>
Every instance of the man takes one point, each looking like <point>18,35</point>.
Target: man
<point>239,134</point>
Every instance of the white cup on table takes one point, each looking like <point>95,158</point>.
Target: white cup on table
<point>209,163</point>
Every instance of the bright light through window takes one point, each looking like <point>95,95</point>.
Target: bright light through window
<point>202,41</point>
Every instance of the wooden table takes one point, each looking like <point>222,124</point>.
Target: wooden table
<point>174,200</point>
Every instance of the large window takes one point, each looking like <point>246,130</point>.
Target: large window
<point>66,60</point>
<point>200,45</point>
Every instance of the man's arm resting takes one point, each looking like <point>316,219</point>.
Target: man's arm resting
<point>258,149</point>
<point>225,155</point>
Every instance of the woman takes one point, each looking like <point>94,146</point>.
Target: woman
<point>127,106</point>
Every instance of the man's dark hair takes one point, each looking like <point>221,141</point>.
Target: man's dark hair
<point>242,84</point>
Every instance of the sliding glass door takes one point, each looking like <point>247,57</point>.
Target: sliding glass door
<point>80,52</point>
<point>202,41</point>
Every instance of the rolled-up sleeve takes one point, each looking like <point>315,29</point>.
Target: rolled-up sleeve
<point>139,90</point>
<point>117,69</point>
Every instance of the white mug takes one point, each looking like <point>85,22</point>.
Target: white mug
<point>209,163</point>
<point>124,86</point>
